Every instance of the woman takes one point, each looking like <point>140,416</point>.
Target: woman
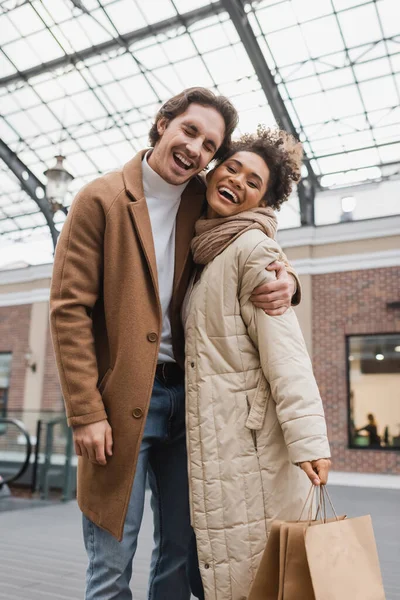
<point>372,431</point>
<point>253,408</point>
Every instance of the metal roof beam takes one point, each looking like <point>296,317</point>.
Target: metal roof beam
<point>185,19</point>
<point>306,189</point>
<point>30,184</point>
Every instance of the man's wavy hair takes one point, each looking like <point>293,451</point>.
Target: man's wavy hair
<point>282,154</point>
<point>198,95</point>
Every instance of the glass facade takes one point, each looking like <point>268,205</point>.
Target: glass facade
<point>374,391</point>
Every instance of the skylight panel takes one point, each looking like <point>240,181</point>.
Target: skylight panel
<point>126,16</point>
<point>312,109</point>
<point>389,13</point>
<point>72,36</point>
<point>189,5</point>
<point>179,48</point>
<point>104,159</point>
<point>379,96</point>
<point>305,11</point>
<point>288,46</point>
<point>344,101</point>
<point>229,64</point>
<point>303,87</point>
<point>372,69</point>
<point>164,10</point>
<point>344,4</point>
<point>322,36</point>
<point>9,32</point>
<point>16,53</point>
<point>25,20</point>
<point>360,25</point>
<point>337,78</point>
<point>390,153</point>
<point>387,134</point>
<point>210,38</point>
<point>45,46</point>
<point>192,72</point>
<point>279,16</point>
<point>59,9</point>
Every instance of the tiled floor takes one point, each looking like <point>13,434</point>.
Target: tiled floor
<point>42,555</point>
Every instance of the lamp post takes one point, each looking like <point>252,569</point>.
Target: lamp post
<point>58,180</point>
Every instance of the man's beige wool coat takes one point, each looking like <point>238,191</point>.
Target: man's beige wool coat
<point>253,411</point>
<point>106,323</point>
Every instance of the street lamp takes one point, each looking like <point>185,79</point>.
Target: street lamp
<point>58,180</point>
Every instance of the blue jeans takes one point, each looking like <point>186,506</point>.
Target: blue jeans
<point>163,459</point>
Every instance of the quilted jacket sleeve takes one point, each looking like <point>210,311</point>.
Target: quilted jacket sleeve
<point>74,291</point>
<point>284,359</point>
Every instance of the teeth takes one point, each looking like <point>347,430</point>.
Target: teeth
<point>235,199</point>
<point>183,159</point>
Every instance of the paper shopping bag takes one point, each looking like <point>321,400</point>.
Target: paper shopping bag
<point>329,559</point>
<point>343,560</point>
<point>283,573</point>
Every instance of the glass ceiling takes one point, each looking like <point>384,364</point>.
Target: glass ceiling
<point>336,64</point>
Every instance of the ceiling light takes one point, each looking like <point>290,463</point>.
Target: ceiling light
<point>379,356</point>
<point>351,357</point>
<point>348,204</point>
<point>58,180</point>
<point>397,349</point>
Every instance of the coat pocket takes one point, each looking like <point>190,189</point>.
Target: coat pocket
<point>259,405</point>
<point>103,381</point>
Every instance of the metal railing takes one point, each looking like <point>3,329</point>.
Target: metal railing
<point>45,471</point>
<point>50,464</point>
<point>21,427</point>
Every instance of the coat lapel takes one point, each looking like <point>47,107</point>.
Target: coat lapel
<point>189,211</point>
<point>133,179</point>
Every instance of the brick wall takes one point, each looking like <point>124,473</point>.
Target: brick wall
<point>14,337</point>
<point>350,303</point>
<point>51,399</point>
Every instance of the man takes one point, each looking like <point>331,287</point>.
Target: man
<point>121,271</point>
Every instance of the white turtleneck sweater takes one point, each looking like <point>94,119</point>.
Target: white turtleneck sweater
<point>163,201</point>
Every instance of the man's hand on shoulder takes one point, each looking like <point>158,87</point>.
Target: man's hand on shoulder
<point>276,296</point>
<point>94,441</point>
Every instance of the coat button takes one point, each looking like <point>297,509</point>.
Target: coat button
<point>137,413</point>
<point>206,566</point>
<point>152,336</point>
<point>192,364</point>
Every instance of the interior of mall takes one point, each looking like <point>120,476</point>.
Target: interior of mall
<point>80,84</point>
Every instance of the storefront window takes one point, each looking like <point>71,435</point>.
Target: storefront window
<point>5,370</point>
<point>374,391</point>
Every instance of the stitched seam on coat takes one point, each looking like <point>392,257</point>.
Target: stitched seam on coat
<point>202,462</point>
<point>115,199</point>
<point>222,495</point>
<point>249,257</point>
<point>243,475</point>
<point>302,417</point>
<point>308,437</point>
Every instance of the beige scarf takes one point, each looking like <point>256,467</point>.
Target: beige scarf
<point>212,236</point>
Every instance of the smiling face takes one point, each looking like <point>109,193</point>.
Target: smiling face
<point>187,143</point>
<point>238,184</point>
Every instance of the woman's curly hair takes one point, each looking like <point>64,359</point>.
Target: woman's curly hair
<point>282,154</point>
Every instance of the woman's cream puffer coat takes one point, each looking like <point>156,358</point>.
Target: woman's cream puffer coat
<point>253,412</point>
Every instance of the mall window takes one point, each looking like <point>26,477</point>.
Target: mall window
<point>374,391</point>
<point>5,370</point>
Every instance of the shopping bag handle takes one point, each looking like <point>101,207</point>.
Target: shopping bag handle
<point>320,496</point>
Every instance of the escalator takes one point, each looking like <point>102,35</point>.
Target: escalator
<point>10,428</point>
